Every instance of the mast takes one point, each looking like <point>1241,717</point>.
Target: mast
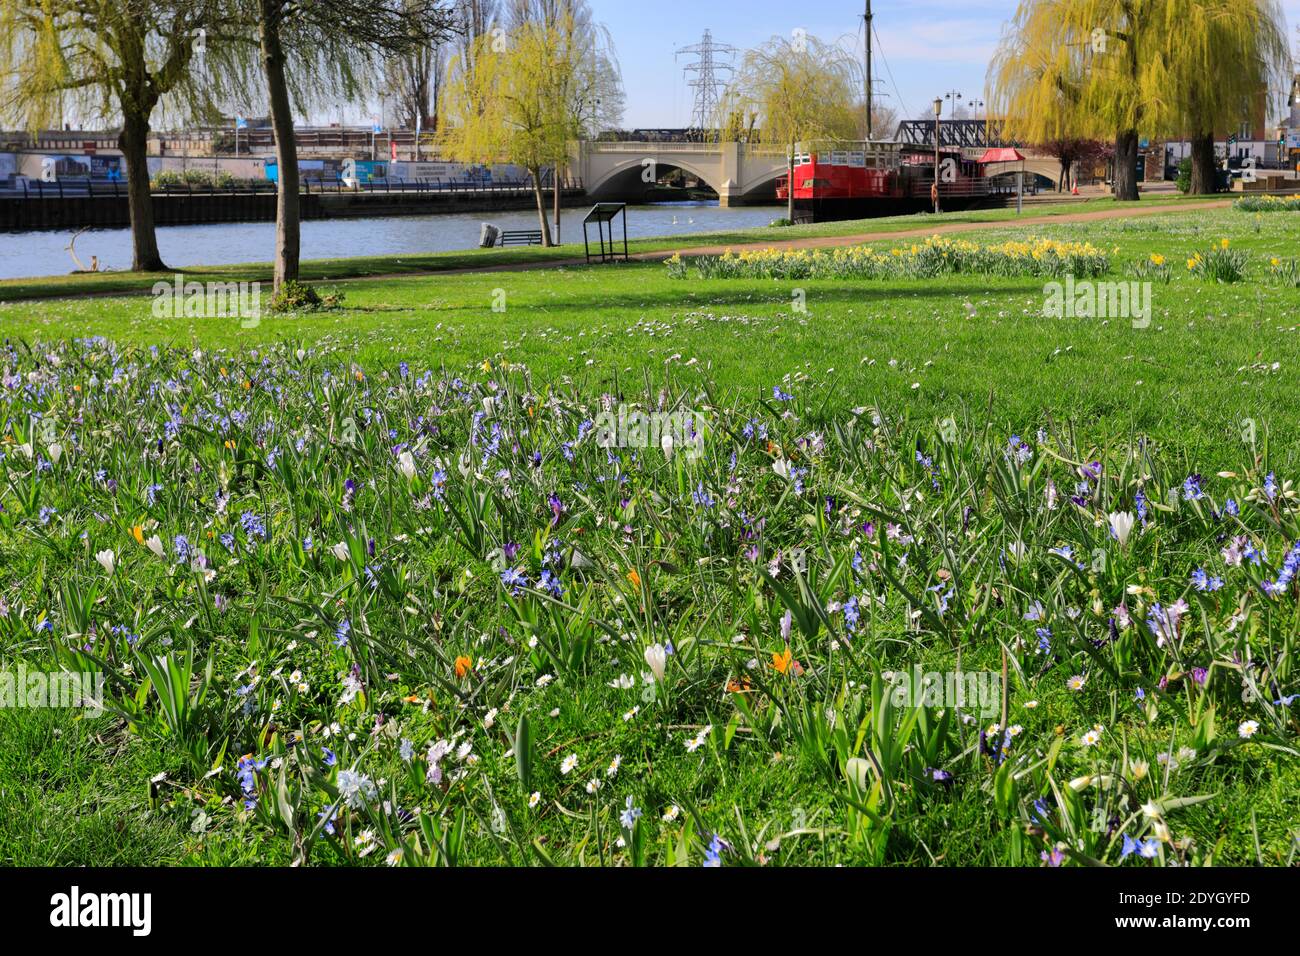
<point>869,84</point>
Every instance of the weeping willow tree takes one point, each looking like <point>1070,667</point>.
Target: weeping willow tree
<point>1128,68</point>
<point>1089,69</point>
<point>112,61</point>
<point>318,51</point>
<point>1231,53</point>
<point>591,88</point>
<point>511,100</point>
<point>801,89</point>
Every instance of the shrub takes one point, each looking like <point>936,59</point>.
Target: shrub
<point>1184,180</point>
<point>295,296</point>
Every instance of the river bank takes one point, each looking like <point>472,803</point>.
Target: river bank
<point>46,253</point>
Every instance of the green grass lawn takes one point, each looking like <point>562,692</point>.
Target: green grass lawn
<point>806,764</point>
<point>962,346</point>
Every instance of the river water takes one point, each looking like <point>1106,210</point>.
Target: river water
<point>27,254</point>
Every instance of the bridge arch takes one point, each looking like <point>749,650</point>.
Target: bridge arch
<point>737,172</point>
<point>763,184</point>
<point>623,176</point>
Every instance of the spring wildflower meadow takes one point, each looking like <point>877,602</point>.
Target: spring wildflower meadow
<point>802,557</point>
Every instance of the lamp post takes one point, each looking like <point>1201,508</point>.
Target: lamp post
<point>975,105</point>
<point>938,109</point>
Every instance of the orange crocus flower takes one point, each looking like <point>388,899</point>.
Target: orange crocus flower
<point>463,664</point>
<point>781,662</point>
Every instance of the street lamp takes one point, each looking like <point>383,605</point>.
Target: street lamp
<point>938,110</point>
<point>976,106</point>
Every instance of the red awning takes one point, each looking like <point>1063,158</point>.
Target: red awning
<point>1004,154</point>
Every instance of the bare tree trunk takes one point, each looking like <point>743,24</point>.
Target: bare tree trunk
<point>144,240</point>
<point>541,206</point>
<point>556,190</point>
<point>1205,176</point>
<point>287,206</point>
<point>1126,157</point>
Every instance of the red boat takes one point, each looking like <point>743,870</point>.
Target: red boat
<point>859,180</point>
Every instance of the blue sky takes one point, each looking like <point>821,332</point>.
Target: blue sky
<point>931,46</point>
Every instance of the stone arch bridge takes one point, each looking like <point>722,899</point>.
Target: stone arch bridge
<point>739,173</point>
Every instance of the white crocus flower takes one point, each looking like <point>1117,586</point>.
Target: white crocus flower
<point>1121,526</point>
<point>155,545</point>
<point>107,559</point>
<point>406,464</point>
<point>656,659</point>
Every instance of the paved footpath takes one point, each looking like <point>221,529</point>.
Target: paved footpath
<point>857,239</point>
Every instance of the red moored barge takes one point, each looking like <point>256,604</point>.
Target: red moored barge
<point>859,180</point>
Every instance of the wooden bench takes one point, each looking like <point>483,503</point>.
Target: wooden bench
<point>520,237</point>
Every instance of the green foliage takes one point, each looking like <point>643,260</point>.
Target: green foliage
<point>1184,180</point>
<point>817,762</point>
<point>507,99</point>
<point>937,256</point>
<point>1267,204</point>
<point>1097,68</point>
<point>1219,263</point>
<point>1285,272</point>
<point>800,89</point>
<point>294,296</point>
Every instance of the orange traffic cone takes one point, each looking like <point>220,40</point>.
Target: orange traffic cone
<point>1075,190</point>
